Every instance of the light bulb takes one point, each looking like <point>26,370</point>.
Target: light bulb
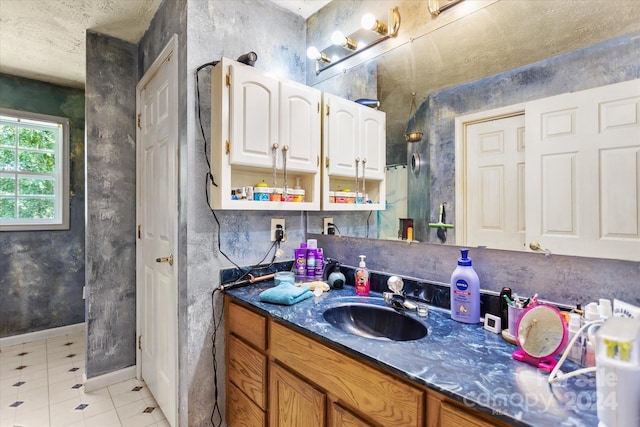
<point>368,21</point>
<point>338,39</point>
<point>313,53</point>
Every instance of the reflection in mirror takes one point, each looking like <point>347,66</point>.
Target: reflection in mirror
<point>481,60</point>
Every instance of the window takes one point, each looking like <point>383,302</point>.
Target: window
<point>34,171</point>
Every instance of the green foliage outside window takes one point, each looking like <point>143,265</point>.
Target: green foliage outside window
<point>27,169</point>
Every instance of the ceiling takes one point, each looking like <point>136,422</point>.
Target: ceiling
<point>45,39</point>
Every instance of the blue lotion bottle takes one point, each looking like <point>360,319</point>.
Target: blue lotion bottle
<point>465,291</point>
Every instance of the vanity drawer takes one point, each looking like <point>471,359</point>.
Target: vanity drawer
<point>383,398</point>
<point>250,326</point>
<point>241,411</point>
<point>247,369</point>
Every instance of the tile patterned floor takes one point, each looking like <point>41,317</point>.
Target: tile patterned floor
<point>41,385</point>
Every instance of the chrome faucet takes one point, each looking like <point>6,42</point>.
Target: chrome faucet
<point>396,298</point>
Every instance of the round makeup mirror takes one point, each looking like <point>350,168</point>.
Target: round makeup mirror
<point>541,334</point>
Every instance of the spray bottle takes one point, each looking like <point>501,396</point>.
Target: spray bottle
<point>362,278</point>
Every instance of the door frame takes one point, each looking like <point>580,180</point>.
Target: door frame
<point>461,123</point>
<point>170,49</point>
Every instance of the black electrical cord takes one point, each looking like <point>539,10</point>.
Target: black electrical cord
<point>204,137</point>
<point>214,335</point>
<point>368,217</point>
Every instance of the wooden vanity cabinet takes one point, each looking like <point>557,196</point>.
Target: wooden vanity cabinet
<point>279,377</point>
<point>246,363</point>
<point>368,392</point>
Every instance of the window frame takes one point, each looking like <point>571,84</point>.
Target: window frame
<point>62,185</point>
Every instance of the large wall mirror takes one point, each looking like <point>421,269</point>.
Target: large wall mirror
<point>492,56</point>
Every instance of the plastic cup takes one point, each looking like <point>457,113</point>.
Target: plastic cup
<point>514,315</point>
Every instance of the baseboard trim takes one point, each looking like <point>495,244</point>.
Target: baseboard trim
<point>101,381</point>
<point>41,335</point>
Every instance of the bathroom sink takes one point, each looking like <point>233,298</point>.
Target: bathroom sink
<point>372,321</point>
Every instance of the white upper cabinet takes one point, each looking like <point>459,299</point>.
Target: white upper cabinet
<point>373,142</point>
<point>253,105</point>
<point>300,126</point>
<point>263,130</point>
<point>354,144</point>
<point>341,136</point>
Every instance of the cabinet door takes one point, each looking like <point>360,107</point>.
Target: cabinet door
<point>241,411</point>
<point>342,132</point>
<point>340,417</point>
<point>300,126</point>
<point>293,402</point>
<point>253,116</point>
<point>373,142</point>
<point>452,416</point>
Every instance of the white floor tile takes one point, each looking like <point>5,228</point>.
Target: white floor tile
<point>34,398</point>
<point>130,396</point>
<point>32,418</point>
<point>106,419</point>
<point>47,395</point>
<point>124,386</point>
<point>59,392</point>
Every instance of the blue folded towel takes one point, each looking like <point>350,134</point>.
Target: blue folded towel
<point>285,294</point>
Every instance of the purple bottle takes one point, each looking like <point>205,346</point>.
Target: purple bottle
<point>300,256</point>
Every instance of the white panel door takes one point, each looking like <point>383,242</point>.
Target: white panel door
<point>157,207</point>
<point>495,215</point>
<point>373,142</point>
<point>300,126</point>
<point>583,172</point>
<point>253,117</point>
<point>341,133</point>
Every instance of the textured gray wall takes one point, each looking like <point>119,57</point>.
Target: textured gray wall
<point>42,272</point>
<point>227,28</point>
<point>110,195</point>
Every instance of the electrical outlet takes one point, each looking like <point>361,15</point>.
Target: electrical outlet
<point>325,224</point>
<point>274,226</point>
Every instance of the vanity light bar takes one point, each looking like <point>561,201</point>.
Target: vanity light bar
<point>351,43</point>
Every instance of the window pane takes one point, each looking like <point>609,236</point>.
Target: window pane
<point>7,160</point>
<point>7,186</point>
<point>7,208</point>
<point>36,162</point>
<point>32,187</point>
<point>7,136</point>
<point>38,139</point>
<point>36,208</point>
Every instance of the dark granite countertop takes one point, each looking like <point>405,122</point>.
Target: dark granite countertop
<point>465,362</point>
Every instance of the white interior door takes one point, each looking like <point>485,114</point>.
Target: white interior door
<point>583,172</point>
<point>495,208</point>
<point>157,212</point>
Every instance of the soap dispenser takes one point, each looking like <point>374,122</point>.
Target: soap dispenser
<point>465,291</point>
<point>332,274</point>
<point>362,278</point>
